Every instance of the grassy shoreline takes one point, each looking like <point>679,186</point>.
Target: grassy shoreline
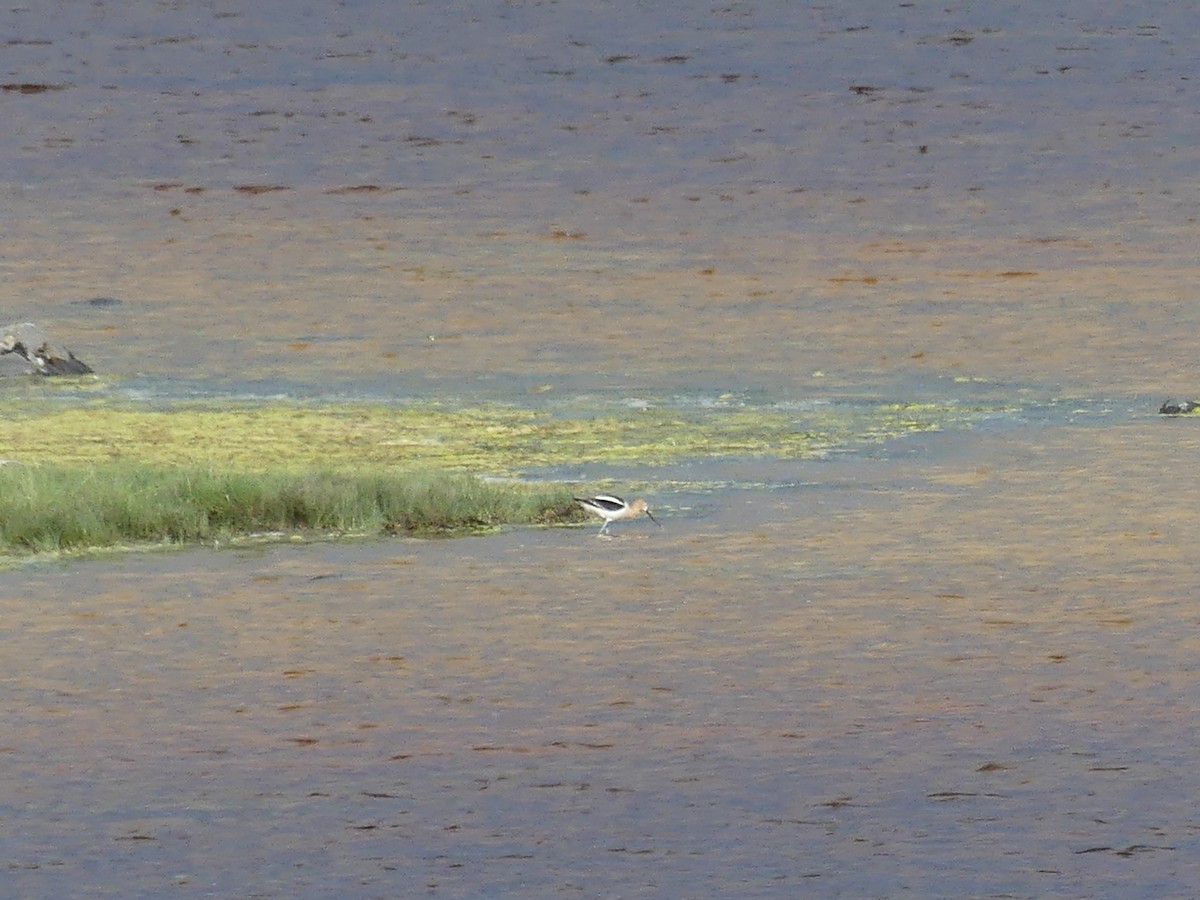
<point>55,509</point>
<point>91,473</point>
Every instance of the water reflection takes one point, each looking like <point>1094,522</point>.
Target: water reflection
<point>744,195</point>
<point>959,670</point>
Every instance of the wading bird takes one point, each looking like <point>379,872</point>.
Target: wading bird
<point>612,508</point>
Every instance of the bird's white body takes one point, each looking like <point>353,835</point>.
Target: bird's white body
<point>613,509</point>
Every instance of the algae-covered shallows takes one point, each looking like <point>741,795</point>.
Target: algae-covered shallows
<point>493,439</point>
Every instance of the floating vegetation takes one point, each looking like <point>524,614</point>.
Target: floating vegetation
<point>495,439</point>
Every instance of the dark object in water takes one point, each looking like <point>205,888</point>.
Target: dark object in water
<point>99,302</point>
<point>1171,408</point>
<point>30,342</point>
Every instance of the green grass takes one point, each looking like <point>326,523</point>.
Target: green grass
<point>55,509</point>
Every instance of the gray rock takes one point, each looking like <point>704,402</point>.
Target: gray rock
<point>28,342</point>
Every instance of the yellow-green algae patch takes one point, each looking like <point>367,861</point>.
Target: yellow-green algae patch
<point>492,439</point>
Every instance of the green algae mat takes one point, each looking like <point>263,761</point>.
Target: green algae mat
<point>484,440</point>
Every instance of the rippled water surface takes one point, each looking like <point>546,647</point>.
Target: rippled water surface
<point>954,664</point>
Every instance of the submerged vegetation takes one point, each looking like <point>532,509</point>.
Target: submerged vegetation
<point>52,508</point>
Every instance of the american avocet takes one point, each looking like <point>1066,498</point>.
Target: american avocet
<point>612,508</point>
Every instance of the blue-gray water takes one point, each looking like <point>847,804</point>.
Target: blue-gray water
<point>959,665</point>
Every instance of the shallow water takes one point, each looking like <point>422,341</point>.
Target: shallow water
<point>968,672</point>
<point>535,195</point>
<point>956,664</point>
